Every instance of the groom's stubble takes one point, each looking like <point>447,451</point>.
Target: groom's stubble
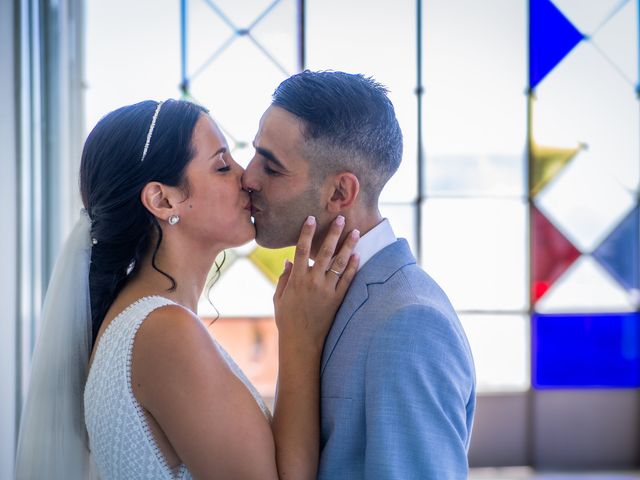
<point>278,223</point>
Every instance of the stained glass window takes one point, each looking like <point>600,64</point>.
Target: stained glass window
<point>584,193</point>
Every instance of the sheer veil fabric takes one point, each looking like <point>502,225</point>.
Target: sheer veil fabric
<point>53,441</point>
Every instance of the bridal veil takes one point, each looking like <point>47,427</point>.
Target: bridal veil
<point>53,441</point>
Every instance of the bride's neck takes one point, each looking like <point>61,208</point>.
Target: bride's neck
<point>187,267</point>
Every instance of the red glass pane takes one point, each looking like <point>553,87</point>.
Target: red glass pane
<point>552,254</point>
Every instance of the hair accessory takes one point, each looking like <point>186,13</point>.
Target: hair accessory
<point>173,219</point>
<point>151,127</point>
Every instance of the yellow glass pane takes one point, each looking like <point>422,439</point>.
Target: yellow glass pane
<point>271,262</point>
<point>547,162</point>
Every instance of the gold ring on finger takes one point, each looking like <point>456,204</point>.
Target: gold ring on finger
<point>339,274</point>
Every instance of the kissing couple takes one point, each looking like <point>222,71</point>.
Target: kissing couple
<point>375,378</point>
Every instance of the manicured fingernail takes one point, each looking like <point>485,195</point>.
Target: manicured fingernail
<point>355,234</point>
<point>340,220</point>
<point>286,263</point>
<point>310,220</point>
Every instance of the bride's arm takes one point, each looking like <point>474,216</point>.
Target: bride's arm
<point>306,301</point>
<point>207,414</point>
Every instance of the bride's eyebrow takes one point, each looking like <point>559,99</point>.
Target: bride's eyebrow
<point>219,151</point>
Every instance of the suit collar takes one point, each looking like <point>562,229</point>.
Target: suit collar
<point>385,263</point>
<point>377,270</point>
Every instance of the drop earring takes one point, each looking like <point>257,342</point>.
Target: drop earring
<point>173,219</point>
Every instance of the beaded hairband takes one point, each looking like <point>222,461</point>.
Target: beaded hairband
<point>151,127</point>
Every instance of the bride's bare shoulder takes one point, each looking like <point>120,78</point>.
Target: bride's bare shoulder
<point>173,329</point>
<point>173,352</point>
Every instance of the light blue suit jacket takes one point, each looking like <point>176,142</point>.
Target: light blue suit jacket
<point>397,378</point>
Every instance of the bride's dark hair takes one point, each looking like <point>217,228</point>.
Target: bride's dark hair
<point>112,177</point>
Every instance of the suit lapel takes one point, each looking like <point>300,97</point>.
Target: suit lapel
<point>353,300</point>
<point>377,270</point>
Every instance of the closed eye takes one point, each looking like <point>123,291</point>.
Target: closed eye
<point>218,159</point>
<point>270,171</point>
<point>268,158</point>
<point>223,165</point>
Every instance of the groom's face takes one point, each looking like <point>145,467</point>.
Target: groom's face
<point>278,177</point>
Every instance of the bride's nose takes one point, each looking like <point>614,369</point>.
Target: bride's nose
<point>239,174</point>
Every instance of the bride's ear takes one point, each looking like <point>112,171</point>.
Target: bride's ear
<point>159,199</point>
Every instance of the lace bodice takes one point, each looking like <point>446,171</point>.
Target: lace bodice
<point>122,446</point>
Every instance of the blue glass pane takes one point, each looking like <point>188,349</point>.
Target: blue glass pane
<point>551,38</point>
<point>619,253</point>
<point>593,350</point>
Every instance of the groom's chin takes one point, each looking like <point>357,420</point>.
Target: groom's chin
<point>266,239</point>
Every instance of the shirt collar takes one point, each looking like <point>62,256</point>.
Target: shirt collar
<point>373,241</point>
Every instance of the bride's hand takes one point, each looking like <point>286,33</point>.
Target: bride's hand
<point>307,298</point>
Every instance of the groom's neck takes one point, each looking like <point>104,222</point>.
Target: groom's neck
<point>362,219</point>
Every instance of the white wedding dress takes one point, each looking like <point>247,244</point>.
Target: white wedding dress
<point>122,446</point>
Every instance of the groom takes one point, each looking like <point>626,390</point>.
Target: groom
<point>397,377</point>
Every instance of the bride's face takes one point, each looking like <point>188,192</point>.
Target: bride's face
<point>217,210</point>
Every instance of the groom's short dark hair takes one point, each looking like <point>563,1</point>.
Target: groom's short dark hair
<point>349,124</point>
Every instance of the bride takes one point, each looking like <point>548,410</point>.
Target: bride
<point>126,380</point>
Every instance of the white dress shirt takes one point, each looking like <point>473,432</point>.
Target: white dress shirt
<point>373,241</point>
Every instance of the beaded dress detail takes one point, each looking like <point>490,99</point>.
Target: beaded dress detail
<point>122,446</point>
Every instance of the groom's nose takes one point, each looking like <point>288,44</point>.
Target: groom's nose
<point>250,177</point>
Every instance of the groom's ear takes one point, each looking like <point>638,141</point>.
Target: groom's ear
<point>344,190</point>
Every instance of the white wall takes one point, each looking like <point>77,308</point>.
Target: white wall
<point>8,242</point>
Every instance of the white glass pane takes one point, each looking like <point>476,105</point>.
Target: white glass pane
<point>618,41</point>
<point>246,249</point>
<point>500,345</point>
<point>131,54</point>
<point>585,201</point>
<point>586,287</point>
<point>242,291</point>
<point>403,222</point>
<point>588,16</point>
<point>235,96</point>
<point>585,100</point>
<point>277,32</point>
<point>477,251</point>
<point>207,33</point>
<point>237,85</point>
<point>475,78</point>
<point>475,175</point>
<point>241,14</point>
<point>376,39</point>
